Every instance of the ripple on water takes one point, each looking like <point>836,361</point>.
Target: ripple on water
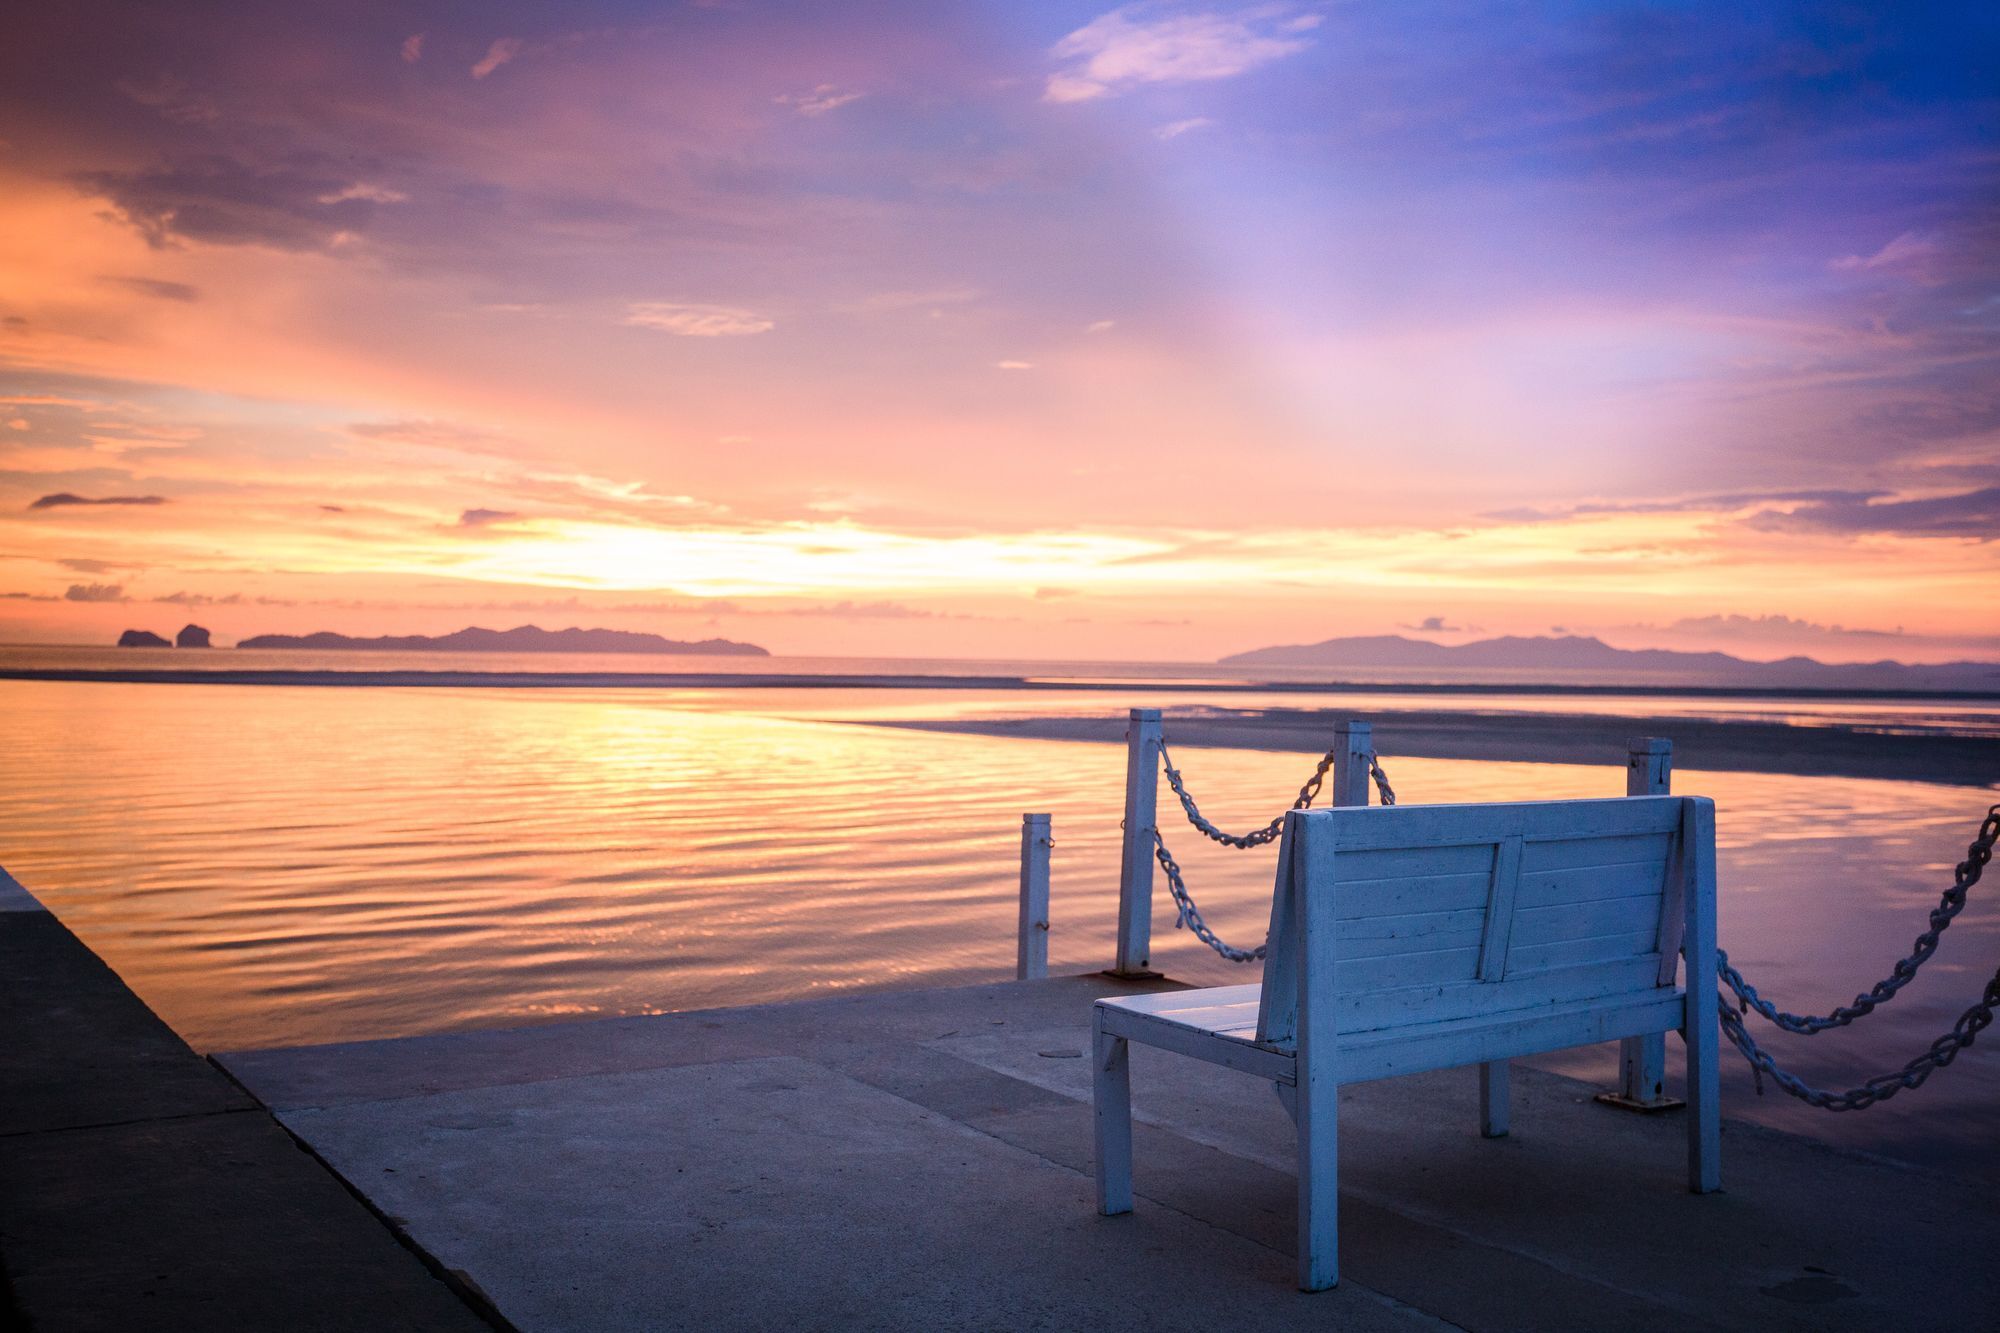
<point>273,866</point>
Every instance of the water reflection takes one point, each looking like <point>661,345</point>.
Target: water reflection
<point>274,866</point>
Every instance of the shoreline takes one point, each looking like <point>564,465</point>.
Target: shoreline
<point>459,679</point>
<point>1545,738</point>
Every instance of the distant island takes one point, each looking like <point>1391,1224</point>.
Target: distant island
<point>1573,652</point>
<point>191,636</point>
<point>522,639</point>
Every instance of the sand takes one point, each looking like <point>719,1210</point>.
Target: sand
<point>1572,738</point>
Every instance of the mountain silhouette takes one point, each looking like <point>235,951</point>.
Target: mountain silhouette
<point>1571,652</point>
<point>522,639</point>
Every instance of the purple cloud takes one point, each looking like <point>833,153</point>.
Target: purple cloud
<point>63,499</point>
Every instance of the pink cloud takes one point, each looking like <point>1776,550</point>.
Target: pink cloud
<point>503,50</point>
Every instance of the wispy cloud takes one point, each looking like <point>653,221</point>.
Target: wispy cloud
<point>1973,514</point>
<point>433,434</point>
<point>917,299</point>
<point>95,592</point>
<point>1782,631</point>
<point>1438,625</point>
<point>1726,502</point>
<point>827,97</point>
<point>480,518</point>
<point>413,48</point>
<point>1174,129</point>
<point>697,321</point>
<point>198,599</point>
<point>165,291</point>
<point>304,202</point>
<point>1145,43</point>
<point>1909,251</point>
<point>63,499</point>
<point>499,53</point>
<point>374,194</point>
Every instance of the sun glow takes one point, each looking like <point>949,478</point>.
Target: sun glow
<point>831,558</point>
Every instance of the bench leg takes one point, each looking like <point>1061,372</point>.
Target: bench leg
<point>1493,1099</point>
<point>1704,1096</point>
<point>1112,1095</point>
<point>1642,1067</point>
<point>1319,1187</point>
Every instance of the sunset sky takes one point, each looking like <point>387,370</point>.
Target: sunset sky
<point>1022,330</point>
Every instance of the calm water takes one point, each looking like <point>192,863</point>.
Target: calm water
<point>283,865</point>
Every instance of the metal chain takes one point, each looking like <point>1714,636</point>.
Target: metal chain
<point>1883,1086</point>
<point>1963,878</point>
<point>1387,793</point>
<point>1189,917</point>
<point>1256,838</point>
<point>1269,833</point>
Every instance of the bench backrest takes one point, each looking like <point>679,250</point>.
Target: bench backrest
<point>1417,914</point>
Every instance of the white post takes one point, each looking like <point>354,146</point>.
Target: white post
<point>1135,868</point>
<point>1353,742</point>
<point>1642,1061</point>
<point>1031,949</point>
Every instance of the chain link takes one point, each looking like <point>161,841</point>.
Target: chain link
<point>1269,833</point>
<point>1883,1086</point>
<point>1190,917</point>
<point>1382,787</point>
<point>1963,878</point>
<point>1257,837</point>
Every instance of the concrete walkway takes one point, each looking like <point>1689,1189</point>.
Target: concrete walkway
<point>140,1189</point>
<point>921,1160</point>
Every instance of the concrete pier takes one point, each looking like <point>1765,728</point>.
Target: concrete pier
<point>921,1160</point>
<point>915,1159</point>
<point>141,1189</point>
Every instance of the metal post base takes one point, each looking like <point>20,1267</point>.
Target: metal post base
<point>1643,1105</point>
<point>1143,974</point>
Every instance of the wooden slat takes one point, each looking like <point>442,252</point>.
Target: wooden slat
<point>1436,967</point>
<point>1366,1011</point>
<point>1357,901</point>
<point>1222,1018</point>
<point>1611,916</point>
<point>1412,1050</point>
<point>1398,863</point>
<point>1278,1011</point>
<point>1680,870</point>
<point>1499,928</point>
<point>1576,853</point>
<point>1588,949</point>
<point>1234,1052</point>
<point>1436,827</point>
<point>1169,1001</point>
<point>1585,884</point>
<point>1416,932</point>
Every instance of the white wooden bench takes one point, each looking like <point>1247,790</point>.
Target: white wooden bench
<point>1412,938</point>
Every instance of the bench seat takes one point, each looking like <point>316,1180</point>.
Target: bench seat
<point>1219,1025</point>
